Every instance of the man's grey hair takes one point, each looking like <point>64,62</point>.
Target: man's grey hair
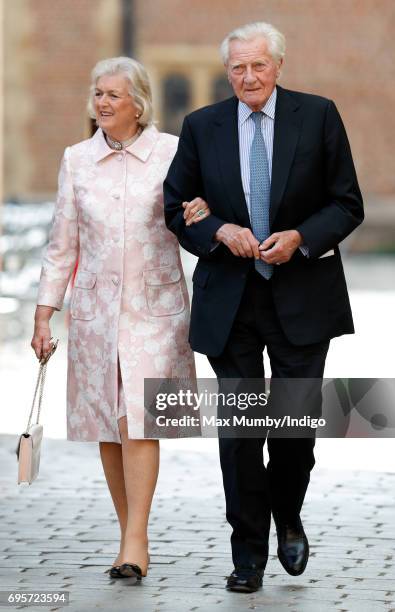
<point>274,38</point>
<point>138,81</point>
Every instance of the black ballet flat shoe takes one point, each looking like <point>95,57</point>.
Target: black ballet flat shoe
<point>113,572</point>
<point>130,570</point>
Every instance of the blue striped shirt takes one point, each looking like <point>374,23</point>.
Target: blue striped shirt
<point>246,134</point>
<point>246,127</point>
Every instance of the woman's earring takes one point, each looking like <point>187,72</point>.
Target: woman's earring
<point>137,116</point>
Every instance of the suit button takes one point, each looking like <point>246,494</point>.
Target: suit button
<point>116,196</point>
<point>115,279</point>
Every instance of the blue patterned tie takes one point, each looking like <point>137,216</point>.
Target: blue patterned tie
<point>260,192</point>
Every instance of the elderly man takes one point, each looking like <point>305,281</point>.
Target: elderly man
<point>276,171</point>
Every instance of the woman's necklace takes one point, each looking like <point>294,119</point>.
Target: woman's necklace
<point>118,145</point>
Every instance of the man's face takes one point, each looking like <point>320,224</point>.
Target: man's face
<point>252,71</point>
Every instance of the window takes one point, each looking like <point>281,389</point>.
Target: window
<point>221,89</point>
<point>176,102</point>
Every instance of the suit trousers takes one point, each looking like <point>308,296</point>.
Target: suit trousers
<point>254,491</point>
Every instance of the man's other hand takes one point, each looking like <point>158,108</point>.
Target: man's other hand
<point>280,246</point>
<point>240,240</point>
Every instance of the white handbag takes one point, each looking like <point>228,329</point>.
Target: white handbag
<point>29,444</point>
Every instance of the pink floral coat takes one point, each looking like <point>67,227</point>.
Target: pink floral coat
<point>129,297</point>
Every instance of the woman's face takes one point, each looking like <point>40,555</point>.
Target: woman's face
<point>114,107</point>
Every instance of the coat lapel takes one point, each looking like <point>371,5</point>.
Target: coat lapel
<point>145,143</point>
<point>227,144</point>
<point>287,127</point>
<point>141,148</point>
<point>99,147</point>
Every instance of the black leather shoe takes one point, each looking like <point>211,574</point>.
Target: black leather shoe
<point>244,580</point>
<point>293,547</point>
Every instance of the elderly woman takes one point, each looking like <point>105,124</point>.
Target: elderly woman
<point>129,304</point>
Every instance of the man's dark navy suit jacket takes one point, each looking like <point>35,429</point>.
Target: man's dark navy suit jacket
<point>314,189</point>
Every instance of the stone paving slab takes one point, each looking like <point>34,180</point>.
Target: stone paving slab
<point>61,533</point>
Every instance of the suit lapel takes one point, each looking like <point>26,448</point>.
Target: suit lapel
<point>287,126</point>
<point>226,137</point>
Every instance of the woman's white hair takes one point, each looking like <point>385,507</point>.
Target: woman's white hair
<point>139,85</point>
<point>275,40</point>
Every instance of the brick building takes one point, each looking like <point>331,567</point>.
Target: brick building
<point>336,48</point>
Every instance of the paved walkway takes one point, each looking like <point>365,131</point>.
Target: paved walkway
<point>61,533</point>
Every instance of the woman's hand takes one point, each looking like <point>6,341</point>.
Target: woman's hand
<point>196,210</point>
<point>41,341</point>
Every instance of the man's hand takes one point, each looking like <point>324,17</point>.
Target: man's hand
<point>240,240</point>
<point>280,246</point>
<point>195,210</point>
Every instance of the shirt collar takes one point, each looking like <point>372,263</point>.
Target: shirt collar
<point>269,108</point>
<point>140,148</point>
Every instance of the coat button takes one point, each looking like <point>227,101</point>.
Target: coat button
<point>115,279</point>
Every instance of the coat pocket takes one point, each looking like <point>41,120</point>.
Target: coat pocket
<point>83,300</point>
<point>163,291</point>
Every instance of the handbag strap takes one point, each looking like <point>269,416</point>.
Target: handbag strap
<point>40,385</point>
<point>39,388</point>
